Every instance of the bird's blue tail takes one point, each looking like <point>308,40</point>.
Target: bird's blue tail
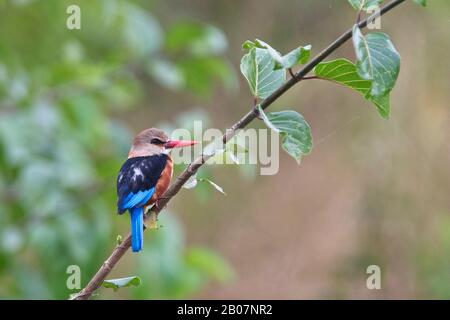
<point>137,228</point>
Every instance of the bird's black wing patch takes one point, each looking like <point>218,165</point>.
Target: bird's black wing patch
<point>138,174</point>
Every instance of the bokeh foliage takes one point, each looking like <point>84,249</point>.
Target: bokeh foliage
<point>62,93</point>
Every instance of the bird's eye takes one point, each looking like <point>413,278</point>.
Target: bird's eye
<point>156,141</point>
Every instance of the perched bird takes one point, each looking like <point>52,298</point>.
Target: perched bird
<point>144,177</point>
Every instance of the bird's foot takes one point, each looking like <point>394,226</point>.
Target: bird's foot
<point>154,225</point>
<point>152,221</point>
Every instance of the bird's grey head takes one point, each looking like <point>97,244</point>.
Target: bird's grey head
<point>148,142</point>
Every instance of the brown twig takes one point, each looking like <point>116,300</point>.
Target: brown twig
<point>191,169</point>
<point>291,72</point>
<point>104,270</point>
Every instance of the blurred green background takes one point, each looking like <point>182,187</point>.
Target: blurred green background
<point>371,192</point>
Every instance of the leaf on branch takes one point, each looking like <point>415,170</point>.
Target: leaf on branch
<point>233,157</point>
<point>213,148</point>
<point>236,149</point>
<point>266,120</point>
<point>224,156</point>
<point>344,72</point>
<point>193,180</point>
<point>364,5</point>
<point>257,66</point>
<point>236,146</point>
<point>231,153</point>
<point>423,3</point>
<point>299,55</point>
<point>116,284</point>
<point>119,240</point>
<point>215,185</point>
<point>248,44</point>
<point>295,132</point>
<point>377,60</point>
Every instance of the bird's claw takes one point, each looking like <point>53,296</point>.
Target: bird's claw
<point>153,221</point>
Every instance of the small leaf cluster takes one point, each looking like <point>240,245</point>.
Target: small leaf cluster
<point>373,75</point>
<point>265,70</point>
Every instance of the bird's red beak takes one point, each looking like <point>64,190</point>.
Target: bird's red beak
<point>178,143</point>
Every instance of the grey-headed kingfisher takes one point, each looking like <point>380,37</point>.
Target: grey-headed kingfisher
<point>144,177</point>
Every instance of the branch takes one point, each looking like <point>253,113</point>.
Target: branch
<point>120,250</point>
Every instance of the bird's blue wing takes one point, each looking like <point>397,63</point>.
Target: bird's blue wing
<point>137,180</point>
<point>132,200</point>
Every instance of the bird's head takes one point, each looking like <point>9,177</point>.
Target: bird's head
<point>154,141</point>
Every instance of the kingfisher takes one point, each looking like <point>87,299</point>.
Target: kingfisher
<point>144,177</point>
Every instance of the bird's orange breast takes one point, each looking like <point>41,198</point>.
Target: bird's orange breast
<point>163,182</point>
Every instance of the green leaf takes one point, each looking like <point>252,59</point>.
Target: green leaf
<point>377,60</point>
<point>233,157</point>
<point>364,4</point>
<point>116,284</point>
<point>266,120</point>
<point>295,132</point>
<point>215,185</point>
<point>237,150</point>
<point>257,66</point>
<point>344,72</point>
<point>383,105</point>
<point>222,156</point>
<point>236,146</point>
<point>213,147</point>
<point>423,3</point>
<point>191,182</point>
<point>248,44</point>
<point>299,55</point>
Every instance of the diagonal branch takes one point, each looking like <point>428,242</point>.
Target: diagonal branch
<point>120,250</point>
